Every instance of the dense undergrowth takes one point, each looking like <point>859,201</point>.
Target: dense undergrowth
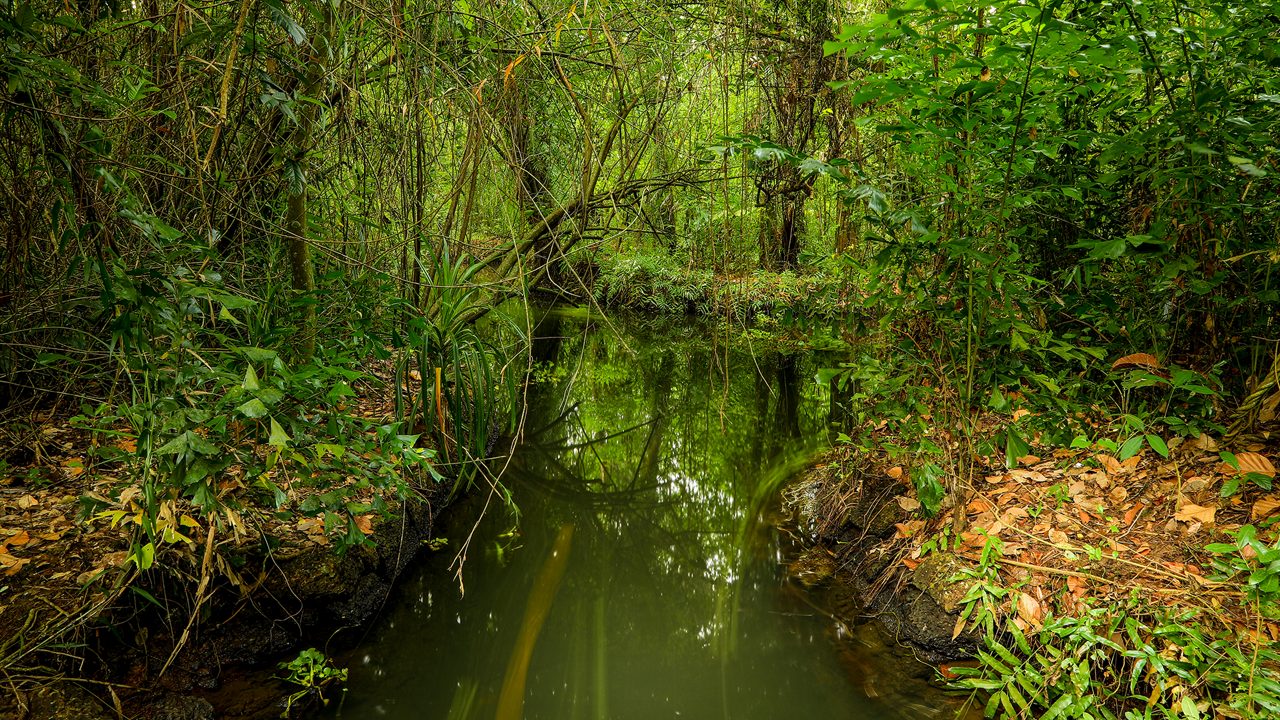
<point>1021,227</point>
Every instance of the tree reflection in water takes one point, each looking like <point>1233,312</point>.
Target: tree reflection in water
<point>663,451</point>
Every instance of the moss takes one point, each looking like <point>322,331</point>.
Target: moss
<point>933,576</point>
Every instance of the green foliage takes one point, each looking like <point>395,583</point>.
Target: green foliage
<point>980,606</point>
<point>1064,675</point>
<point>1252,561</point>
<point>465,393</point>
<point>1233,483</point>
<point>1109,663</point>
<point>654,283</point>
<point>313,673</point>
<point>203,403</point>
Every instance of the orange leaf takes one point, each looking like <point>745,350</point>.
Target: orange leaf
<point>1142,360</point>
<point>1029,609</point>
<point>1191,512</point>
<point>1077,585</point>
<point>365,524</point>
<point>907,529</point>
<point>979,505</point>
<point>1110,464</point>
<point>1265,507</point>
<point>1251,462</point>
<point>1132,513</point>
<point>894,472</point>
<point>21,538</point>
<point>11,564</point>
<point>1206,443</point>
<point>1057,537</point>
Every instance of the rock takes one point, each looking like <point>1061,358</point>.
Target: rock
<point>814,567</point>
<point>934,576</point>
<point>921,612</point>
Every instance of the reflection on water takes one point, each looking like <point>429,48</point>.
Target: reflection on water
<point>661,452</point>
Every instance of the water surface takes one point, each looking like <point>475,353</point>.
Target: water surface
<point>658,453</point>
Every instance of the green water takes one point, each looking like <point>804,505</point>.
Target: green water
<point>664,452</point>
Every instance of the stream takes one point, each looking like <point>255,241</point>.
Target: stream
<point>645,576</point>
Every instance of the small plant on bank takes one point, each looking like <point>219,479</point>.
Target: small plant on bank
<point>314,674</point>
<point>1255,561</point>
<point>1131,662</point>
<point>454,384</point>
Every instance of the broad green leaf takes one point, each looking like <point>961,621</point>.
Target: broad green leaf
<point>176,446</point>
<point>1130,447</point>
<point>253,408</point>
<point>1158,444</point>
<point>144,556</point>
<point>279,438</point>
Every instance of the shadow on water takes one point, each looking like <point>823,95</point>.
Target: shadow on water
<point>644,580</point>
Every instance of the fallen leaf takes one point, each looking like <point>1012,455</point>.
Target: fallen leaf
<point>894,472</point>
<point>364,523</point>
<point>26,502</point>
<point>1192,513</point>
<point>1250,462</point>
<point>1078,586</point>
<point>1033,475</point>
<point>21,538</point>
<point>1109,463</point>
<point>1057,537</point>
<point>955,633</point>
<point>907,529</point>
<point>908,504</point>
<point>1020,413</point>
<point>978,505</point>
<point>1205,442</point>
<point>1264,508</point>
<point>1028,460</point>
<point>1140,360</point>
<point>1029,610</point>
<point>11,564</point>
<point>73,466</point>
<point>1132,513</point>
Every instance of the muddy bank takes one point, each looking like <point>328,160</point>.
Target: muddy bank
<point>303,595</point>
<point>851,518</point>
